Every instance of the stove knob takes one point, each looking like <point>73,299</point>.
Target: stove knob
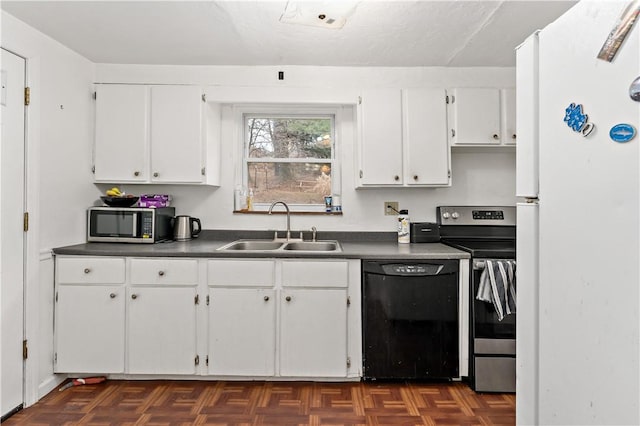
<point>455,215</point>
<point>445,215</point>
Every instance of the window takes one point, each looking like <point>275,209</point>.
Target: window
<point>290,158</point>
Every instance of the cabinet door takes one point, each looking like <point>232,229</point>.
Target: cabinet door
<point>89,329</point>
<point>242,325</point>
<point>161,330</point>
<point>313,333</point>
<point>426,146</point>
<point>176,134</point>
<point>508,99</point>
<point>475,114</point>
<point>380,124</point>
<point>121,143</point>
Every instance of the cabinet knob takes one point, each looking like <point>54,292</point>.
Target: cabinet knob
<point>156,174</point>
<point>396,178</point>
<point>495,136</point>
<point>87,270</point>
<point>266,298</point>
<point>513,136</point>
<point>136,174</point>
<point>288,298</point>
<point>161,273</point>
<point>415,177</point>
<point>112,295</point>
<point>134,296</point>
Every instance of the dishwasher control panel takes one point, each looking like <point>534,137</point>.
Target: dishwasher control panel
<point>402,269</point>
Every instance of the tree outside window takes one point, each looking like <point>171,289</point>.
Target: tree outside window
<point>290,159</point>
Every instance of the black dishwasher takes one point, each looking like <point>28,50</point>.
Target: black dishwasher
<point>410,319</point>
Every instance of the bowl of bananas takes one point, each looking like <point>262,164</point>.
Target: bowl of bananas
<point>116,198</point>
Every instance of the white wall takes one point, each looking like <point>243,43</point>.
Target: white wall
<point>59,138</point>
<point>480,176</point>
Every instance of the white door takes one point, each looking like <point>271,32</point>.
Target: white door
<point>12,206</point>
<point>161,330</point>
<point>475,116</point>
<point>122,135</point>
<point>313,340</point>
<point>176,134</point>
<point>242,324</point>
<point>90,329</point>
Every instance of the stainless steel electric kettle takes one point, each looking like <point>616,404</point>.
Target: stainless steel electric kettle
<point>184,229</point>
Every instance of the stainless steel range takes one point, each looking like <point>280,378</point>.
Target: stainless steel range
<point>488,233</point>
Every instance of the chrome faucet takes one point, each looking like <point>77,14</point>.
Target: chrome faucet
<point>314,231</point>
<point>288,216</point>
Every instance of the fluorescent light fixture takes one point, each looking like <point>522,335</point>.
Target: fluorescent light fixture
<point>324,14</point>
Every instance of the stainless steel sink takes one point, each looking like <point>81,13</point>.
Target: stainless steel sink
<point>270,245</point>
<point>253,245</point>
<point>313,246</point>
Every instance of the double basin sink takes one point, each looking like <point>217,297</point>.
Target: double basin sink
<point>271,245</point>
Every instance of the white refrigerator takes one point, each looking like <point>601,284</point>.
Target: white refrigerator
<point>578,241</point>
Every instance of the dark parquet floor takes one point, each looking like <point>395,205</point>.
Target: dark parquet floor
<point>122,402</point>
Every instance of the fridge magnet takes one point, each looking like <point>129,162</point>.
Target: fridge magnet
<point>622,132</point>
<point>577,120</point>
<point>634,90</point>
<point>619,32</point>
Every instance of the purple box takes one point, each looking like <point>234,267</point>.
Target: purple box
<point>154,200</point>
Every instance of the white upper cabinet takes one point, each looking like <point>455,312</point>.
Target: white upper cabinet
<point>426,152</point>
<point>481,117</point>
<point>154,134</point>
<point>122,133</point>
<point>380,129</point>
<point>403,138</point>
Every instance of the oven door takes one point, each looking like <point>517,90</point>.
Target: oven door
<point>485,320</point>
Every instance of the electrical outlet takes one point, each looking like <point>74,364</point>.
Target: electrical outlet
<point>389,207</point>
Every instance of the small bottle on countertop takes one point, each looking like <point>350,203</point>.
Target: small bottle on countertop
<point>403,227</point>
<point>250,199</point>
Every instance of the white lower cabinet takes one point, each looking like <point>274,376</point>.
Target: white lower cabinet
<point>242,336</point>
<point>161,330</point>
<point>259,318</point>
<point>90,329</point>
<point>313,333</point>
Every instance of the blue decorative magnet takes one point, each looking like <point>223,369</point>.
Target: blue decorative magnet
<point>577,120</point>
<point>622,132</point>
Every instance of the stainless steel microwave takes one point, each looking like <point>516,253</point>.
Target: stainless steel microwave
<point>129,224</point>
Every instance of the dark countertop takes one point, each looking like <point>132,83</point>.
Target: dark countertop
<point>355,245</point>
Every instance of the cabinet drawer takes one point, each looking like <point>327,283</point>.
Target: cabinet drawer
<point>164,271</point>
<point>89,270</point>
<point>246,273</point>
<point>315,273</point>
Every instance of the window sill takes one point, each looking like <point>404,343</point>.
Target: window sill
<point>292,213</point>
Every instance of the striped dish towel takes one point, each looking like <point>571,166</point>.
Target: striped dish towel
<point>498,286</point>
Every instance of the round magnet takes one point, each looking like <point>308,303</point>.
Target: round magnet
<point>634,90</point>
<point>622,132</point>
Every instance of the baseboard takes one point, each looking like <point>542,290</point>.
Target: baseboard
<point>50,384</point>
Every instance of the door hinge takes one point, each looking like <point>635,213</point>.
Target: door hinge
<point>27,96</point>
<point>25,221</point>
<point>453,133</point>
<point>55,358</point>
<point>25,350</point>
<point>361,174</point>
<point>56,296</point>
<point>359,100</point>
<point>197,299</point>
<point>95,95</point>
<point>348,362</point>
<point>449,174</point>
<point>197,360</point>
<point>446,98</point>
<point>203,171</point>
<point>93,169</point>
<point>204,97</point>
<point>208,300</point>
<point>348,300</point>
<point>206,361</point>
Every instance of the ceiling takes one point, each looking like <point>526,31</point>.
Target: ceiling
<point>243,32</point>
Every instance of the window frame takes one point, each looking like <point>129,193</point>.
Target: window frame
<point>332,112</point>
